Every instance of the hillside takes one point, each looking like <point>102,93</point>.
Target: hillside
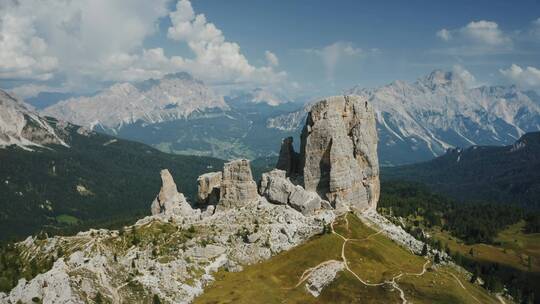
<point>507,174</point>
<point>379,271</point>
<point>496,242</point>
<point>98,180</point>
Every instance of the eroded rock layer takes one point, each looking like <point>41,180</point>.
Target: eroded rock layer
<point>208,188</point>
<point>338,156</point>
<point>237,185</point>
<point>169,201</point>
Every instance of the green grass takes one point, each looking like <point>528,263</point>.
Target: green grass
<point>67,219</point>
<point>374,258</point>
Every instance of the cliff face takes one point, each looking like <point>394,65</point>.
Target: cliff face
<point>338,155</point>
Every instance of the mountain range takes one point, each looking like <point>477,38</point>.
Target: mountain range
<point>179,114</point>
<point>415,121</point>
<point>418,121</point>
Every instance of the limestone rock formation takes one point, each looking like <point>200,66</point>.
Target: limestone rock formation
<point>275,187</point>
<point>338,156</point>
<point>208,188</point>
<point>278,189</point>
<point>237,185</point>
<point>323,275</point>
<point>288,158</point>
<point>169,201</point>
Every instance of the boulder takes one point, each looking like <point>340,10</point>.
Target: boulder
<point>237,185</point>
<point>305,201</point>
<point>322,276</point>
<point>169,201</point>
<point>208,188</point>
<point>278,189</point>
<point>338,157</point>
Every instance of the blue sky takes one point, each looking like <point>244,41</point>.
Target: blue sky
<point>297,47</point>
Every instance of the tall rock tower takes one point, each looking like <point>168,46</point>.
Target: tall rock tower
<point>338,156</point>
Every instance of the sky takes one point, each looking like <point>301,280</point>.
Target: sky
<point>297,48</point>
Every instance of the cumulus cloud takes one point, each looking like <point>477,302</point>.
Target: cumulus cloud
<point>101,40</point>
<point>528,77</point>
<point>332,54</point>
<point>465,75</point>
<point>477,37</point>
<point>43,39</point>
<point>23,54</point>
<point>271,58</point>
<point>216,59</point>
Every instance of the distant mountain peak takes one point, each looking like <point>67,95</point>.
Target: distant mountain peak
<point>174,96</point>
<point>21,126</point>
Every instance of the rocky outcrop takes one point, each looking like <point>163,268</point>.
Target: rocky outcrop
<point>323,275</point>
<point>237,186</point>
<point>278,189</point>
<point>20,125</point>
<point>169,201</point>
<point>288,158</point>
<point>208,188</point>
<point>338,154</point>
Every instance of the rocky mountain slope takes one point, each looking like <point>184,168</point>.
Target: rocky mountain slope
<point>176,96</point>
<point>173,255</point>
<point>21,126</point>
<point>420,120</point>
<point>507,174</point>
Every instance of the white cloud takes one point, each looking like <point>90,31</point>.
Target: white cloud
<point>444,34</point>
<point>528,77</point>
<point>332,54</point>
<point>271,58</point>
<point>465,75</point>
<point>476,38</point>
<point>32,90</point>
<point>485,32</point>
<point>23,54</point>
<point>72,38</point>
<point>91,41</point>
<point>216,59</point>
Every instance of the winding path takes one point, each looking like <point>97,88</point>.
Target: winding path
<point>393,282</point>
<point>305,275</point>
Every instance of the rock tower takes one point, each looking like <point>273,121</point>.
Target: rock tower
<point>338,154</point>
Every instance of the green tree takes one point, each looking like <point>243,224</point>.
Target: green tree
<point>425,250</point>
<point>98,299</point>
<point>437,258</point>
